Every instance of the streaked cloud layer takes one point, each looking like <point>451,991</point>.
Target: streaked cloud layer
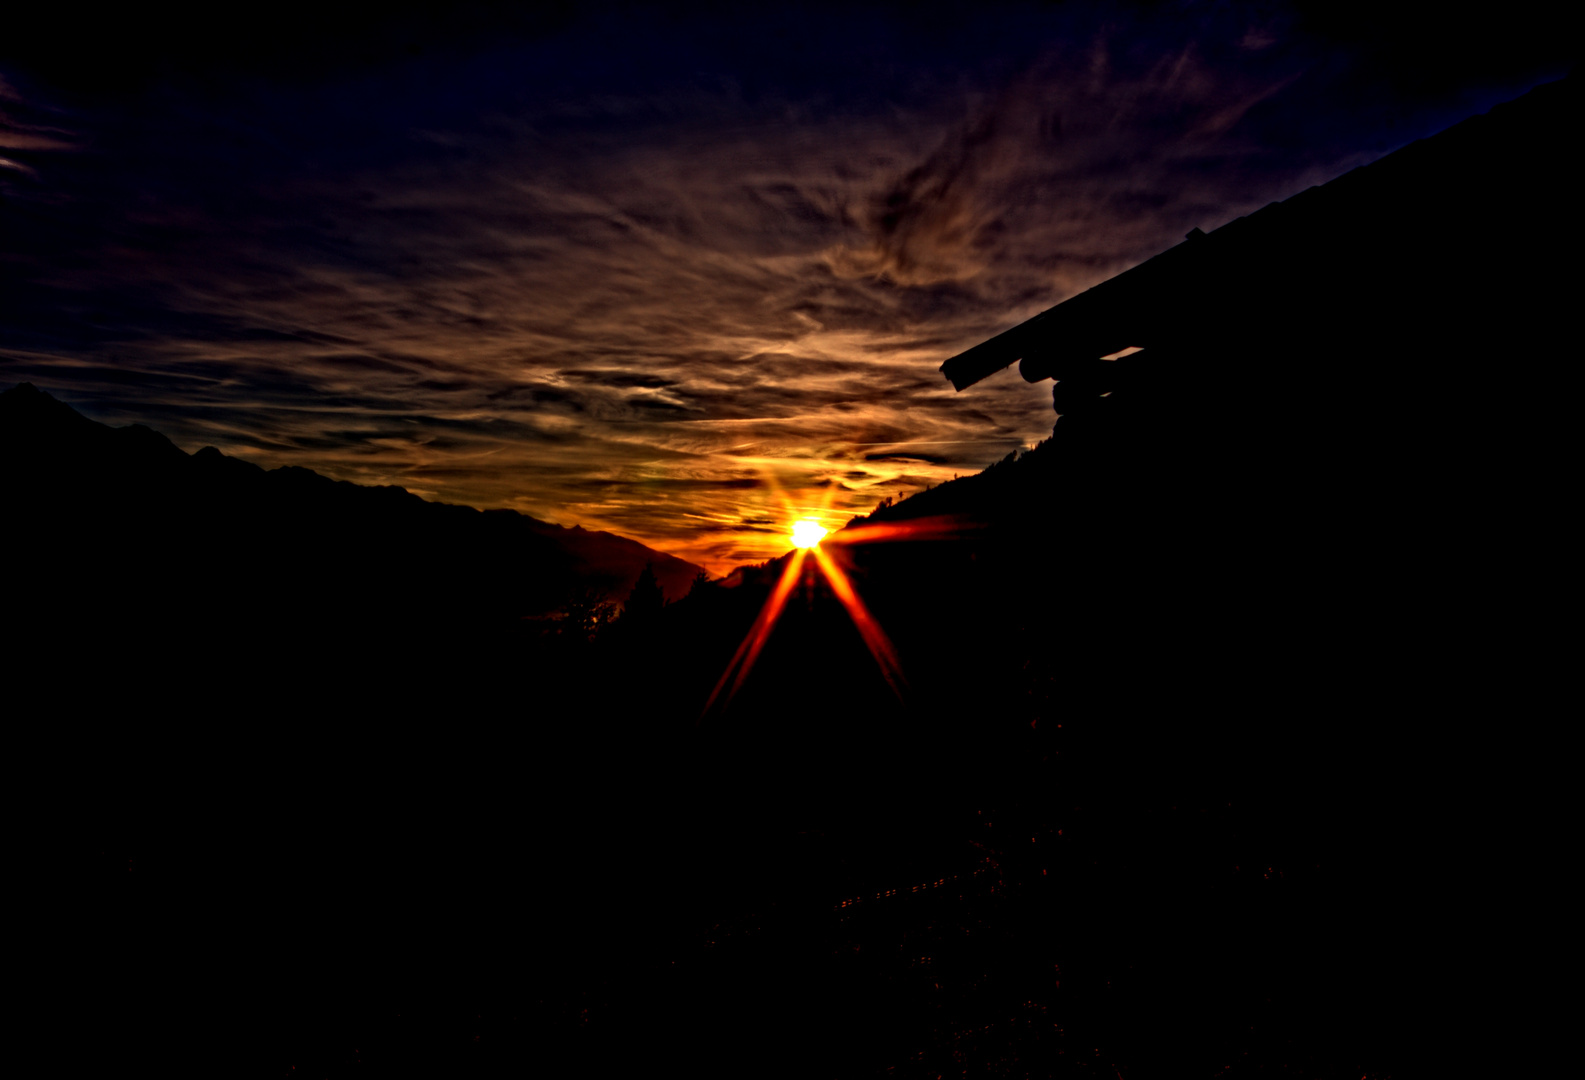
<point>618,275</point>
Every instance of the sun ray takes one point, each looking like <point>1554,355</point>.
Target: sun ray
<point>749,650</point>
<point>809,537</point>
<point>936,527</point>
<point>779,493</point>
<point>817,509</point>
<point>875,638</point>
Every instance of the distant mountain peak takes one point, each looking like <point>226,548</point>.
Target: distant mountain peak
<point>26,403</point>
<point>57,456</point>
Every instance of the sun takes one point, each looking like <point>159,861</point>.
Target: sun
<point>806,534</point>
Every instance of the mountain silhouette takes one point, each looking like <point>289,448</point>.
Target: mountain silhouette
<point>119,539</point>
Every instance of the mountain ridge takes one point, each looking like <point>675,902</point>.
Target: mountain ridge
<point>52,454</point>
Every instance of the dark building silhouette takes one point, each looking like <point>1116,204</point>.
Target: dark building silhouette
<point>1342,432</point>
<point>1454,235</point>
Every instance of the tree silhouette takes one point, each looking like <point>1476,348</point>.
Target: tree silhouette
<point>647,597</point>
<point>701,581</point>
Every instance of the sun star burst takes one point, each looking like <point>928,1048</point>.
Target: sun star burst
<point>806,533</point>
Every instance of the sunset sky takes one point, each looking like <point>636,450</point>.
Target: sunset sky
<point>641,271</point>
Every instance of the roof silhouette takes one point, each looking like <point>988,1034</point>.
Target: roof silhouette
<point>1418,235</point>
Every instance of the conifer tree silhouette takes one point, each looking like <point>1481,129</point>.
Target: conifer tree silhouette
<point>647,597</point>
<point>701,581</point>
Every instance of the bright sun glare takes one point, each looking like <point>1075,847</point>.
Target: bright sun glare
<point>806,534</point>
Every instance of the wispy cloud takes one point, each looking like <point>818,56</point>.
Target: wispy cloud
<point>662,311</point>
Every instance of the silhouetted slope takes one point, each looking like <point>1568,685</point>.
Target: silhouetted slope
<point>1321,467</point>
<point>121,521</point>
<point>611,564</point>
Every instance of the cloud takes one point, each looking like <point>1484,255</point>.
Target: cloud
<point>680,309</point>
<point>1077,167</point>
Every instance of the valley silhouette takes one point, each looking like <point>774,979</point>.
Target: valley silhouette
<point>1167,781</point>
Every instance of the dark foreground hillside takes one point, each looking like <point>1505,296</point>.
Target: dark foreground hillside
<point>1123,819</point>
<point>123,548</point>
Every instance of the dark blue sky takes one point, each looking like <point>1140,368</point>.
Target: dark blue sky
<point>664,272</point>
